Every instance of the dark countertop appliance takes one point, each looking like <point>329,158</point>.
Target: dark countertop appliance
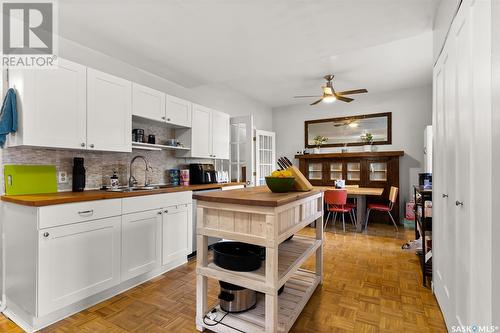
<point>200,173</point>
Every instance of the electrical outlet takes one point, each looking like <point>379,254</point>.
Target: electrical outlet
<point>63,177</point>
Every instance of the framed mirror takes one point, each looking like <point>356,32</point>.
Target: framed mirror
<point>350,130</point>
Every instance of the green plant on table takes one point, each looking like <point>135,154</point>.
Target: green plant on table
<point>319,140</point>
<point>367,138</point>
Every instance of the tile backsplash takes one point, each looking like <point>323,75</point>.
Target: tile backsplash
<point>100,165</point>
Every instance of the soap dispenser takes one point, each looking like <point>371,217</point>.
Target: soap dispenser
<point>114,183</point>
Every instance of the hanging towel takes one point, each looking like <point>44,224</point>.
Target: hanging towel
<point>8,116</point>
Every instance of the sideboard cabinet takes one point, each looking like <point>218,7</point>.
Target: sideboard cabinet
<point>365,169</point>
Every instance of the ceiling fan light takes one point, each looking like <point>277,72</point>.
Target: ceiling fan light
<point>329,99</point>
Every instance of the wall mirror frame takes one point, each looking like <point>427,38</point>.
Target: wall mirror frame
<point>378,124</point>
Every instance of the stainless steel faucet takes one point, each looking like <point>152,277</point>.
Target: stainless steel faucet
<point>132,181</point>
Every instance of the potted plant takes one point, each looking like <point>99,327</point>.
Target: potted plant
<point>367,139</point>
<point>318,141</point>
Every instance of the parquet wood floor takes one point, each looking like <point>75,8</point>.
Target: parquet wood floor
<point>370,285</point>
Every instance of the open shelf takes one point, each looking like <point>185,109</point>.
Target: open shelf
<point>150,146</point>
<point>292,254</point>
<point>298,290</point>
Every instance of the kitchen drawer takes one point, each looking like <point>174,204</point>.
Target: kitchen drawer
<point>155,201</point>
<point>57,215</point>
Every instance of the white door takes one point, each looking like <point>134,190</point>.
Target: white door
<point>52,105</point>
<point>77,261</point>
<point>220,135</point>
<point>148,103</point>
<point>242,150</point>
<point>265,155</point>
<point>175,231</point>
<point>201,142</point>
<point>464,117</point>
<point>178,111</point>
<point>109,112</point>
<point>141,243</point>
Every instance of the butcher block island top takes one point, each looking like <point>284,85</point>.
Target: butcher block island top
<point>255,196</point>
<point>258,216</point>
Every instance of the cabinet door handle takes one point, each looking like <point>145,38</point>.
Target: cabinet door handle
<point>91,145</point>
<point>166,211</point>
<point>168,119</point>
<point>445,195</point>
<point>160,212</point>
<point>46,234</point>
<point>82,144</point>
<point>86,212</point>
<point>459,203</point>
<point>163,118</point>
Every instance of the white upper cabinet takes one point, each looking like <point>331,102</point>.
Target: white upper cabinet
<point>148,103</point>
<point>109,112</point>
<point>178,111</point>
<point>220,135</point>
<point>51,106</point>
<point>201,132</point>
<point>209,135</point>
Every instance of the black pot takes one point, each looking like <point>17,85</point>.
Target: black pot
<point>237,256</point>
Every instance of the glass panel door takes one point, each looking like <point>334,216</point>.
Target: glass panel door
<point>354,171</point>
<point>265,155</point>
<point>336,170</point>
<point>378,171</point>
<point>242,151</point>
<point>315,171</point>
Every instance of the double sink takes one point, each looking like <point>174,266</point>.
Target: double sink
<point>140,188</point>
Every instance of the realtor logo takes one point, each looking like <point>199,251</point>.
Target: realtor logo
<point>28,33</point>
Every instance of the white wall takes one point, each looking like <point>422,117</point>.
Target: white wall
<point>411,113</point>
<point>218,97</point>
<point>442,22</point>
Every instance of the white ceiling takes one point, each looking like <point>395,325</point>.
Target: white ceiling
<point>267,50</point>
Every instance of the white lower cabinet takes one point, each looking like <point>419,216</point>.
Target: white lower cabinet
<point>141,243</point>
<point>176,224</point>
<point>63,258</point>
<point>77,261</point>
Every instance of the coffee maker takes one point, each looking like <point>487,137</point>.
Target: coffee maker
<point>201,173</point>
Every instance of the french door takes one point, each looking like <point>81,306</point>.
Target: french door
<point>265,155</point>
<point>242,159</point>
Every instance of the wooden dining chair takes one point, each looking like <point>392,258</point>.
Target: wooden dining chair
<point>393,196</point>
<point>336,203</point>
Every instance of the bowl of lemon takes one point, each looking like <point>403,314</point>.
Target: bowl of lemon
<point>280,181</point>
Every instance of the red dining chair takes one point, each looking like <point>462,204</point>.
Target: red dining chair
<point>336,203</point>
<point>393,195</point>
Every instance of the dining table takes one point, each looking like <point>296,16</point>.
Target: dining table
<point>360,194</point>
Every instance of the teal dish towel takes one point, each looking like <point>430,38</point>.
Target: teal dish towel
<point>8,116</point>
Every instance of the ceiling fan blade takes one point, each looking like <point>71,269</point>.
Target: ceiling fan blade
<point>305,96</point>
<point>351,92</point>
<point>319,100</point>
<point>344,99</point>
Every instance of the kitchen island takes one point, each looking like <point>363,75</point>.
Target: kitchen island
<point>257,216</point>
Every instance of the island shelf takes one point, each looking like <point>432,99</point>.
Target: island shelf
<point>257,216</point>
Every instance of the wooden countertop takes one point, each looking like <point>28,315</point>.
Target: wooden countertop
<point>48,199</point>
<point>356,190</point>
<point>255,196</point>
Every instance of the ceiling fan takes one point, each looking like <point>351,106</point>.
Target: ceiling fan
<point>330,95</point>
